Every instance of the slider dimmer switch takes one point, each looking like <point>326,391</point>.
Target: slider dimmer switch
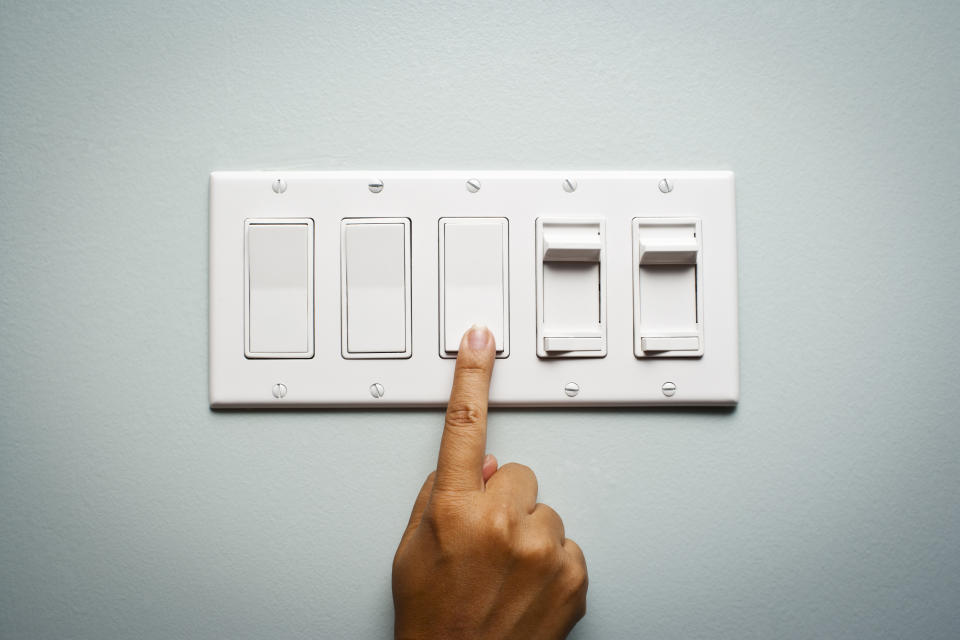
<point>571,294</point>
<point>667,288</point>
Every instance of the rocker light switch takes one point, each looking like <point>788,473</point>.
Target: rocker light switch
<point>375,287</point>
<point>667,289</point>
<point>571,297</point>
<point>474,279</point>
<point>278,318</point>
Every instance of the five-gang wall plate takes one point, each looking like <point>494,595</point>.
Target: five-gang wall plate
<point>350,289</point>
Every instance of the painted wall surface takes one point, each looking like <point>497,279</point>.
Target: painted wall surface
<point>826,506</point>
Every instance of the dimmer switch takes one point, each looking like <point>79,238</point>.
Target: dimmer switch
<point>375,287</point>
<point>278,291</point>
<point>667,289</point>
<point>474,279</point>
<point>571,294</point>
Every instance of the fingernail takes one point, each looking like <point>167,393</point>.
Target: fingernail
<point>478,337</point>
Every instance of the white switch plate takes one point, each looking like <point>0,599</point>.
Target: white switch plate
<point>328,379</point>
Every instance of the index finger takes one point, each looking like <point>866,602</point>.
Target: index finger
<point>464,440</point>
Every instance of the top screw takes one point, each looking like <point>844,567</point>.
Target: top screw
<point>473,185</point>
<point>569,185</point>
<point>279,185</point>
<point>665,186</point>
<point>376,186</point>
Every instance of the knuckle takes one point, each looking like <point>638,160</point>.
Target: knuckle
<point>550,513</point>
<point>464,413</point>
<point>520,470</point>
<point>499,526</point>
<point>576,580</point>
<point>471,370</point>
<point>517,467</point>
<point>576,553</point>
<point>539,551</point>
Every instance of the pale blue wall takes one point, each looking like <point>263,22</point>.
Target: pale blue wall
<point>826,506</point>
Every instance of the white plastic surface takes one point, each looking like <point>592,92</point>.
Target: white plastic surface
<point>375,288</point>
<point>473,281</point>
<point>278,275</point>
<point>420,376</point>
<point>688,343</point>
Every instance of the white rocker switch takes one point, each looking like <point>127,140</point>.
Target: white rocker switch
<point>474,279</point>
<point>571,292</point>
<point>667,288</point>
<point>375,288</point>
<point>278,288</point>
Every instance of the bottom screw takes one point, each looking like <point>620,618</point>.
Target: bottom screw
<point>376,390</point>
<point>279,390</point>
<point>571,389</point>
<point>668,389</point>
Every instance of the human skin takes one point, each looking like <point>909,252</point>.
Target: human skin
<point>480,557</point>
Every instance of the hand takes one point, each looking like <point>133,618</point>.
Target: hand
<point>480,557</point>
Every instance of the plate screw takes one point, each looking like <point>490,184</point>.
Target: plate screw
<point>279,390</point>
<point>376,186</point>
<point>571,389</point>
<point>569,185</point>
<point>473,185</point>
<point>668,389</point>
<point>376,390</point>
<point>279,185</point>
<point>665,186</point>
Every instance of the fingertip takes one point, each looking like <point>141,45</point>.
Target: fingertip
<point>477,349</point>
<point>478,338</point>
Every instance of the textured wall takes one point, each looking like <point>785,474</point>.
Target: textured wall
<point>826,505</point>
